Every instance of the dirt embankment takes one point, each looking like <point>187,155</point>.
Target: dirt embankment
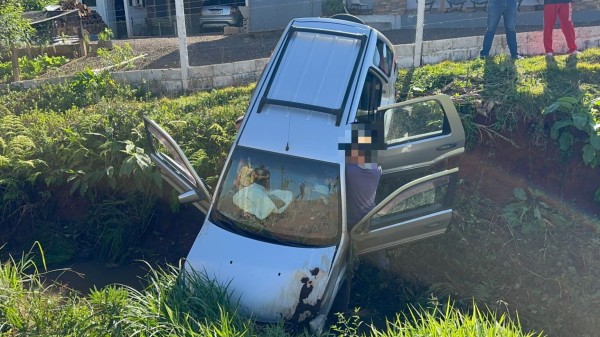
<point>548,273</point>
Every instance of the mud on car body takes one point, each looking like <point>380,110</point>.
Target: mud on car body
<point>275,230</point>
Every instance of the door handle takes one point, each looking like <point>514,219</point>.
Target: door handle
<point>446,146</point>
<point>435,224</point>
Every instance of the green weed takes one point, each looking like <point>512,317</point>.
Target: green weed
<point>575,117</point>
<point>31,68</point>
<point>530,213</point>
<point>117,58</point>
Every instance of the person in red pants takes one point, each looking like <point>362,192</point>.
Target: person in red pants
<point>564,10</point>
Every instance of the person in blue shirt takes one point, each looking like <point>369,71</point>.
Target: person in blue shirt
<point>362,172</point>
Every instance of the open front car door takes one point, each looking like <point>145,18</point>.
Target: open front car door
<point>417,210</point>
<point>175,167</point>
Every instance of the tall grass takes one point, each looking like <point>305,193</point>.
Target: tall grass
<point>178,302</point>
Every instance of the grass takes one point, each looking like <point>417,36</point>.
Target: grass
<point>181,303</point>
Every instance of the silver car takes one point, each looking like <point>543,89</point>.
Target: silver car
<point>220,13</point>
<point>285,250</point>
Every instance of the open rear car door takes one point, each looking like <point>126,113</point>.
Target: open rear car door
<point>175,167</point>
<point>419,133</point>
<point>417,210</point>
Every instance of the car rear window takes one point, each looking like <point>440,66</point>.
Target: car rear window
<point>316,69</point>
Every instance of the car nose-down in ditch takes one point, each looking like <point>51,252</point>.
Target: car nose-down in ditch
<point>276,229</point>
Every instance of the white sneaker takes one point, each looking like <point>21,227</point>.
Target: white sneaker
<point>574,52</point>
<point>549,54</point>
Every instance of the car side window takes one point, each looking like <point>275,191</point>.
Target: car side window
<point>383,58</point>
<point>417,121</point>
<point>425,198</point>
<point>370,97</point>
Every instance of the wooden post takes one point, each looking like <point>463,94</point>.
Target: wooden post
<point>82,44</point>
<point>14,57</point>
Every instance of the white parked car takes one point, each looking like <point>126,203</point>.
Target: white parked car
<point>278,237</point>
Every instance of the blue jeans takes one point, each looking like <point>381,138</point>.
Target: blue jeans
<point>496,9</point>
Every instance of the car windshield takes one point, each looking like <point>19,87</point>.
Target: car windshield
<point>280,198</point>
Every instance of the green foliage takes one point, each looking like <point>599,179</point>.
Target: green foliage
<point>19,170</point>
<point>175,303</point>
<point>15,31</point>
<point>530,213</point>
<point>106,35</point>
<point>347,326</point>
<point>31,68</point>
<point>179,302</point>
<point>37,5</point>
<point>331,7</point>
<point>431,79</point>
<point>452,322</point>
<point>118,57</point>
<point>84,140</point>
<point>577,120</point>
<point>116,226</point>
<point>87,89</point>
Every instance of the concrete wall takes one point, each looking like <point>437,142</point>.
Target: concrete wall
<point>465,48</point>
<point>168,81</point>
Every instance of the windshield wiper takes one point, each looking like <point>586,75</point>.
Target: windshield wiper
<point>226,222</point>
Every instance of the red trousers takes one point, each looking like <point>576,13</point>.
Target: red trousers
<point>564,12</point>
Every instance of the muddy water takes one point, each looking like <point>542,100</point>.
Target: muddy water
<point>84,276</point>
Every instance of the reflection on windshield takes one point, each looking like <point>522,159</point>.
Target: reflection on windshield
<point>283,198</point>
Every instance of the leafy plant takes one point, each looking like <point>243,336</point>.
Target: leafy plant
<point>31,68</point>
<point>573,115</point>
<point>106,35</point>
<point>347,326</point>
<point>577,120</point>
<point>119,57</point>
<point>15,30</point>
<point>530,213</point>
<point>37,5</point>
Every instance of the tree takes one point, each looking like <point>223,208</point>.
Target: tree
<point>15,31</point>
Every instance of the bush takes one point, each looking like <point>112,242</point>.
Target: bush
<point>76,151</point>
<point>332,7</point>
<point>31,68</point>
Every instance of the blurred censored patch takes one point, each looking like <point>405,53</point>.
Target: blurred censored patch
<point>365,140</point>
